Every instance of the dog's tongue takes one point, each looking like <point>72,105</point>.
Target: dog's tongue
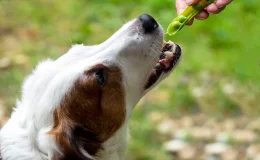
<point>166,62</point>
<point>167,54</point>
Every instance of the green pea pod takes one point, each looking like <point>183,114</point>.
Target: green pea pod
<point>180,21</point>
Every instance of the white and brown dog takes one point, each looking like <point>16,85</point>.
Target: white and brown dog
<point>78,106</point>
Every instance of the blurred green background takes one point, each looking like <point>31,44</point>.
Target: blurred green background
<point>218,77</point>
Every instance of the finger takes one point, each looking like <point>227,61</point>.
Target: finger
<point>212,8</point>
<point>192,2</point>
<point>202,15</point>
<point>220,9</point>
<point>190,22</point>
<point>222,3</point>
<point>180,6</point>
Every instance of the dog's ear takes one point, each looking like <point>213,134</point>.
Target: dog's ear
<point>84,142</point>
<point>76,142</point>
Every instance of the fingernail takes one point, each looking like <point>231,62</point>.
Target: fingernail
<point>202,18</point>
<point>189,2</point>
<point>222,6</point>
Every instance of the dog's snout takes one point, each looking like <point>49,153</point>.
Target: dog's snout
<point>149,24</point>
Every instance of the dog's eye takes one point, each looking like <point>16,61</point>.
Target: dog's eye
<point>100,78</point>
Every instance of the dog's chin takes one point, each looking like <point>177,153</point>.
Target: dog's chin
<point>169,59</point>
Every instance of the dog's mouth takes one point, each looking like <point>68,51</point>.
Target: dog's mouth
<point>169,58</point>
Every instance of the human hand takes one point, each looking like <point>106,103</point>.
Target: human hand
<point>213,8</point>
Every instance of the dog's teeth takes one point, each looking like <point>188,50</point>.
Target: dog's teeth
<point>171,43</point>
<point>164,43</point>
<point>168,54</point>
<point>174,48</point>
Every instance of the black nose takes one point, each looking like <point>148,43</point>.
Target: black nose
<point>148,22</point>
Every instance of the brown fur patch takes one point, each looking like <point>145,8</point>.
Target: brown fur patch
<point>89,114</point>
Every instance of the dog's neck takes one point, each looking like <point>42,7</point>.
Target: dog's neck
<point>21,140</point>
<point>18,140</point>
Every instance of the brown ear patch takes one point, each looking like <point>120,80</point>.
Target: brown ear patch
<point>89,114</point>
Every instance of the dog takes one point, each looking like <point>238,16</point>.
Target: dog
<point>78,106</point>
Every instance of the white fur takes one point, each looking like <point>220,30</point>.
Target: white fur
<point>24,136</point>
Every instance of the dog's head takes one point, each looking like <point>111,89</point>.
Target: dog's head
<point>81,99</point>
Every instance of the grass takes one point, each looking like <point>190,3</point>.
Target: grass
<point>221,50</point>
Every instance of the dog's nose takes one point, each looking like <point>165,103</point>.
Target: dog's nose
<point>149,23</point>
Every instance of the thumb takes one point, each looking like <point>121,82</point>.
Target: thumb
<point>192,2</point>
<point>180,6</point>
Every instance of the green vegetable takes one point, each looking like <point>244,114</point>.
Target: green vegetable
<point>179,22</point>
<point>181,18</point>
